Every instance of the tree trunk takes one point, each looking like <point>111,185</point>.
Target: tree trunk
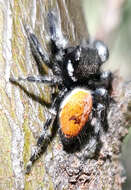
<point>22,118</point>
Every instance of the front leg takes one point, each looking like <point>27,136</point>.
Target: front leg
<point>39,54</point>
<point>58,42</point>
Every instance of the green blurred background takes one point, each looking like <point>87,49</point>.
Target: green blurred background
<point>110,20</point>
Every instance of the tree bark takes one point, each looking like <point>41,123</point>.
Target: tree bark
<point>22,118</point>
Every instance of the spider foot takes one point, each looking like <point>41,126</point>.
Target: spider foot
<point>33,158</point>
<point>28,167</point>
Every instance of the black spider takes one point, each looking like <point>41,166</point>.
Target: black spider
<point>83,97</point>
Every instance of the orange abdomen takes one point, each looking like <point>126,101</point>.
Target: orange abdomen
<point>75,111</point>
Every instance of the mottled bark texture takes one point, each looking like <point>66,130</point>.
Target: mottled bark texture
<point>22,114</point>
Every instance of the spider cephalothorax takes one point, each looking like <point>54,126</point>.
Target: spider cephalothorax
<point>83,89</point>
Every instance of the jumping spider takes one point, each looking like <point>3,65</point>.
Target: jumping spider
<point>81,103</point>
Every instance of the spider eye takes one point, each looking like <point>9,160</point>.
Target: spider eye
<point>102,49</point>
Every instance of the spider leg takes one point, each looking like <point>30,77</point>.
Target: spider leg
<point>46,134</point>
<point>58,42</point>
<point>39,79</point>
<point>98,122</point>
<point>94,143</point>
<point>104,79</point>
<point>43,141</point>
<point>101,96</point>
<point>39,54</point>
<point>100,107</point>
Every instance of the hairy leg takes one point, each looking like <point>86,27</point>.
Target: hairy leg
<point>101,96</point>
<point>40,79</point>
<point>58,42</point>
<point>39,54</point>
<point>46,134</point>
<point>104,80</point>
<point>43,140</point>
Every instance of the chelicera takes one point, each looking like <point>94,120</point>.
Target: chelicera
<point>81,104</point>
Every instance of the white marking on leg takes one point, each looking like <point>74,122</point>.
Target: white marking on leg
<point>70,70</point>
